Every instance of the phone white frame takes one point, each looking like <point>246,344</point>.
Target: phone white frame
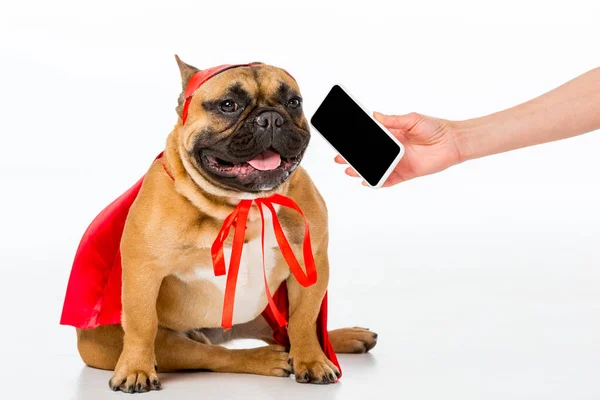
<point>393,164</point>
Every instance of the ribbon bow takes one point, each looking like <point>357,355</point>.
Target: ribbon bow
<point>238,219</point>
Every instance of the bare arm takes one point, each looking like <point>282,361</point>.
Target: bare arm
<point>433,144</point>
<point>569,110</point>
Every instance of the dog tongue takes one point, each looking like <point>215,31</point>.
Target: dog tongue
<point>266,161</point>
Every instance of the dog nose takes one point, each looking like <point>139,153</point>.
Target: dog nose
<point>269,119</point>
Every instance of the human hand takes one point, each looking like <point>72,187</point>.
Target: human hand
<point>430,146</point>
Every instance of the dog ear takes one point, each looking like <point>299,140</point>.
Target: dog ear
<point>186,71</point>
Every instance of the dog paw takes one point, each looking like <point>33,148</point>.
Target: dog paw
<point>132,379</point>
<point>318,370</point>
<point>352,340</point>
<point>268,360</point>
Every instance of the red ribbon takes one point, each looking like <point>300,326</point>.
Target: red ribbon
<point>238,219</point>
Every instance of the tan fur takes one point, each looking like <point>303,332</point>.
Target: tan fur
<point>170,228</point>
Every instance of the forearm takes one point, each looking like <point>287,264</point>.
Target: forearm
<point>569,110</point>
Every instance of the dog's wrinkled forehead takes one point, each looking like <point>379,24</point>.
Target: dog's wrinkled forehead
<point>260,83</point>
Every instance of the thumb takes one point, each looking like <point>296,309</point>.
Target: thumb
<point>405,122</point>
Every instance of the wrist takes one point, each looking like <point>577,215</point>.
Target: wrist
<point>469,136</point>
<point>462,134</point>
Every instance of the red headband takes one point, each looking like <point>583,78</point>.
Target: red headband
<point>202,76</point>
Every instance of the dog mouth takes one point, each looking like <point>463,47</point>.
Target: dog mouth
<point>268,162</point>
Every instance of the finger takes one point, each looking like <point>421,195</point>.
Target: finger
<point>405,122</point>
<point>352,172</point>
<point>389,183</point>
<point>394,179</point>
<point>338,159</point>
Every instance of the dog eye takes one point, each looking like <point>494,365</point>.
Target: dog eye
<point>228,106</point>
<point>294,103</point>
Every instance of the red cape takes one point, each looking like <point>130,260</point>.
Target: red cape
<point>93,295</point>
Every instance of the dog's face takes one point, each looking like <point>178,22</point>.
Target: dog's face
<point>245,131</point>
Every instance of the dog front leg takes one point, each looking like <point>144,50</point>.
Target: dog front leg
<point>136,368</point>
<point>309,361</point>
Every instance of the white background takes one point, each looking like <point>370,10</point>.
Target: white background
<point>483,281</point>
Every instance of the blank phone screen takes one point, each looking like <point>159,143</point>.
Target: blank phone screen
<point>353,133</point>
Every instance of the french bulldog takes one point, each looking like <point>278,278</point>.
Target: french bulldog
<point>244,137</point>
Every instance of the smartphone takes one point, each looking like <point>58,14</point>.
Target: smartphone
<point>362,142</point>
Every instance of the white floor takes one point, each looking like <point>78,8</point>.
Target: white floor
<point>446,333</point>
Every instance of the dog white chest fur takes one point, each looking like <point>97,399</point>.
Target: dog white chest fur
<point>250,296</point>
